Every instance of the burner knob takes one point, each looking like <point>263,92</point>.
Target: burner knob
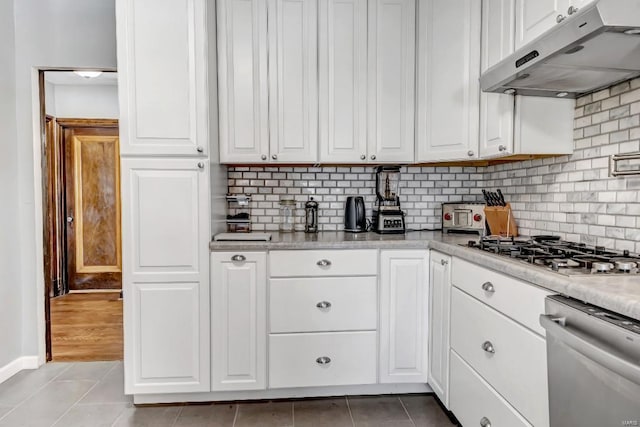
<point>447,216</point>
<point>625,252</point>
<point>477,217</point>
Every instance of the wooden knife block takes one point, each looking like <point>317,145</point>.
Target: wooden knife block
<point>501,221</point>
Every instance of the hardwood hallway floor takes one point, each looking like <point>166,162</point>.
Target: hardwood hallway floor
<point>86,327</point>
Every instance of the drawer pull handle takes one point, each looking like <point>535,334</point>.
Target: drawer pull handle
<point>484,422</point>
<point>324,360</point>
<point>444,262</point>
<point>323,304</point>
<point>488,286</point>
<point>324,263</point>
<point>488,347</point>
<point>238,258</point>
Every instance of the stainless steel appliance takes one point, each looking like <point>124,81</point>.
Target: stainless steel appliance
<point>463,217</point>
<point>592,48</point>
<point>388,218</point>
<point>569,258</point>
<point>355,219</point>
<point>593,361</point>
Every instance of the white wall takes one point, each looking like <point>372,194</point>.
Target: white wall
<point>85,101</point>
<point>10,292</point>
<point>50,98</point>
<point>55,34</point>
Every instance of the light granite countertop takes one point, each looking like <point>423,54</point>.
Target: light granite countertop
<point>620,294</point>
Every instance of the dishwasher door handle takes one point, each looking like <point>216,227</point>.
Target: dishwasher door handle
<point>590,347</point>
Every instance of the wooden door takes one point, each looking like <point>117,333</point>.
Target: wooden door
<point>439,308</point>
<point>404,302</point>
<point>239,320</point>
<point>448,73</point>
<point>242,81</point>
<point>92,205</point>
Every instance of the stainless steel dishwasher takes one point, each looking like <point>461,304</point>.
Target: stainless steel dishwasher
<point>593,358</point>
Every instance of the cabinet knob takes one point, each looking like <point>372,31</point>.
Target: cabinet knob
<point>502,148</point>
<point>444,262</point>
<point>323,263</point>
<point>238,258</point>
<point>560,18</point>
<point>274,157</point>
<point>572,10</point>
<point>488,347</point>
<point>263,157</point>
<point>201,165</point>
<point>484,422</point>
<point>470,153</point>
<point>323,304</point>
<point>324,360</point>
<point>488,287</point>
<point>363,157</point>
<point>200,149</point>
<point>373,157</point>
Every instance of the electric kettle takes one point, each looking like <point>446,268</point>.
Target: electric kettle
<point>355,220</point>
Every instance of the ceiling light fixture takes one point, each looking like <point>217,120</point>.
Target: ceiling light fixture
<point>88,74</point>
<point>633,32</point>
<point>562,94</point>
<point>509,91</point>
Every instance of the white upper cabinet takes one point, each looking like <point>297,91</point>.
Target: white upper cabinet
<point>293,80</point>
<point>162,77</point>
<point>343,80</point>
<point>391,82</point>
<point>496,110</point>
<point>242,76</point>
<point>448,73</point>
<point>534,17</point>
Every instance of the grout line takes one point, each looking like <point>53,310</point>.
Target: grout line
<point>349,409</point>
<point>175,420</point>
<point>76,402</point>
<point>235,417</point>
<point>406,411</point>
<point>293,414</point>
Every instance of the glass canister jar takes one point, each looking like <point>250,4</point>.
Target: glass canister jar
<point>287,215</point>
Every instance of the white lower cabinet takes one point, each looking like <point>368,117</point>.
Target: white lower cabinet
<point>475,403</point>
<point>322,359</point>
<point>238,317</point>
<point>404,302</point>
<point>439,309</point>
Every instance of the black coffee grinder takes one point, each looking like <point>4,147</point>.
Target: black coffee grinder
<point>388,218</point>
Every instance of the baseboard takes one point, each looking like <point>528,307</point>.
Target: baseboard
<point>12,368</point>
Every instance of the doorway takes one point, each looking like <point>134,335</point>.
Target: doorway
<point>82,237</point>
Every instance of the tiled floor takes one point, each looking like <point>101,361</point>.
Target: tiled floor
<point>91,395</point>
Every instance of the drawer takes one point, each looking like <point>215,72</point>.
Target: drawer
<point>294,359</point>
<point>323,304</point>
<point>519,300</point>
<point>472,399</point>
<point>323,263</point>
<point>517,368</point>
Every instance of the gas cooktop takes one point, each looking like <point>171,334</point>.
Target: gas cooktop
<point>562,256</point>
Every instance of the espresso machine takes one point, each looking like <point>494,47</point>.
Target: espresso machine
<point>388,218</point>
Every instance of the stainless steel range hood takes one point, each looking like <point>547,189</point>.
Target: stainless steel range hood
<point>590,50</point>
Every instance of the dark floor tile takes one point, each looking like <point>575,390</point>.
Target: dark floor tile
<point>27,382</point>
<point>94,415</point>
<point>150,416</point>
<point>110,389</point>
<point>215,415</point>
<point>48,404</point>
<point>265,414</point>
<point>322,413</point>
<point>377,411</point>
<point>87,371</point>
<point>425,411</point>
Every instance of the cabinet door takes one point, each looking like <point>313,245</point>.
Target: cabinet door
<point>162,77</point>
<point>242,80</point>
<point>165,236</point>
<point>448,73</point>
<point>496,109</point>
<point>391,80</point>
<point>293,80</point>
<point>534,17</point>
<point>343,80</point>
<point>439,309</point>
<point>239,321</point>
<point>404,303</point>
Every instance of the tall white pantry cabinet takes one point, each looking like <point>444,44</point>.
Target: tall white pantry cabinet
<point>164,142</point>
